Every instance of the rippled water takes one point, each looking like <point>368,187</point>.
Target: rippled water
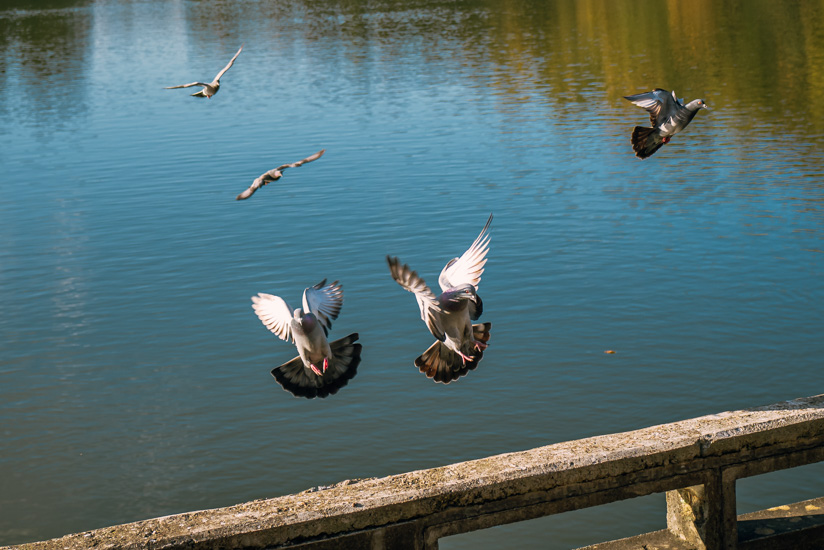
<point>134,377</point>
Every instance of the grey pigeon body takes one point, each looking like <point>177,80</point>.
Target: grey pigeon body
<point>275,174</point>
<point>667,115</point>
<point>321,368</point>
<point>460,344</point>
<point>210,88</point>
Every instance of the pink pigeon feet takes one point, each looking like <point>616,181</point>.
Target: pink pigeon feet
<point>666,139</point>
<point>317,370</point>
<point>480,346</point>
<point>466,358</point>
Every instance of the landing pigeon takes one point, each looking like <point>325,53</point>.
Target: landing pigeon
<point>212,87</point>
<point>322,367</point>
<point>275,174</point>
<point>460,345</point>
<point>667,115</point>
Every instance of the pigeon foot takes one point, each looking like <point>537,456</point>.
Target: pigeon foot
<point>480,346</point>
<point>315,369</point>
<point>666,139</point>
<point>465,358</point>
<point>325,363</point>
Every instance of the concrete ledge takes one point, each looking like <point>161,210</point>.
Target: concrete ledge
<point>414,509</point>
<point>800,524</point>
<point>767,530</point>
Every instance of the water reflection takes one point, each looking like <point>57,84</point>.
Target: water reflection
<point>131,362</point>
<point>752,59</point>
<point>750,62</point>
<point>45,63</point>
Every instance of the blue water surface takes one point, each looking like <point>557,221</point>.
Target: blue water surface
<point>134,376</point>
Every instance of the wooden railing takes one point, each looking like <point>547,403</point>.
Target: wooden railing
<point>695,462</point>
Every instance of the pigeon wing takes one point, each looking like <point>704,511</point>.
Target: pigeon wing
<point>324,301</point>
<point>412,282</point>
<point>265,178</point>
<point>659,103</point>
<point>470,266</point>
<point>228,65</point>
<point>275,314</point>
<point>189,85</point>
<point>316,156</point>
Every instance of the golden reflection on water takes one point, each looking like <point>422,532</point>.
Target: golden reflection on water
<point>766,55</point>
<point>705,266</point>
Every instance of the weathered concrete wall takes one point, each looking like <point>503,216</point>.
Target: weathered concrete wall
<point>414,509</point>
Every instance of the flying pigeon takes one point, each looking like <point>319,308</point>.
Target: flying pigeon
<point>667,115</point>
<point>212,87</point>
<point>275,174</point>
<point>460,345</point>
<point>322,368</point>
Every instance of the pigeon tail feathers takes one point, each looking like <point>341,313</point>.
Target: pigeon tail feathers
<point>298,380</point>
<point>645,141</point>
<point>444,365</point>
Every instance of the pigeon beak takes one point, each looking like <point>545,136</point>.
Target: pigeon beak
<point>707,107</point>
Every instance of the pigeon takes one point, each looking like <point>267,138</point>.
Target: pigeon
<point>667,115</point>
<point>275,174</point>
<point>322,368</point>
<point>460,344</point>
<point>212,87</point>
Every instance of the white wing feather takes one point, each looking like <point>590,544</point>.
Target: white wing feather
<point>470,266</point>
<point>228,66</point>
<point>275,314</point>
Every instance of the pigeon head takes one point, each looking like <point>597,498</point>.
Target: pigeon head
<point>696,104</point>
<point>308,322</point>
<point>459,295</point>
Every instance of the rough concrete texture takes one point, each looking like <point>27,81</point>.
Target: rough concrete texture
<point>651,458</point>
<point>659,540</point>
<point>804,521</point>
<point>767,529</point>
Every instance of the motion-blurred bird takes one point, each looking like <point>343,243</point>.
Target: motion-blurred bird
<point>322,368</point>
<point>667,115</point>
<point>275,174</point>
<point>212,87</point>
<point>460,345</point>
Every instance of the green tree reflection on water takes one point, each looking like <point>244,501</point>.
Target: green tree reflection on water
<point>765,54</point>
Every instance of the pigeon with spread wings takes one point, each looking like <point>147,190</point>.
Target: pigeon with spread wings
<point>275,174</point>
<point>667,115</point>
<point>460,344</point>
<point>211,88</point>
<point>322,368</point>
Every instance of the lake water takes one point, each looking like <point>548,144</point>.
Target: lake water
<point>134,376</point>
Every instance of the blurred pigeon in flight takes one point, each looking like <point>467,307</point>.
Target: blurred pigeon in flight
<point>460,345</point>
<point>275,174</point>
<point>667,115</point>
<point>212,87</point>
<point>322,367</point>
